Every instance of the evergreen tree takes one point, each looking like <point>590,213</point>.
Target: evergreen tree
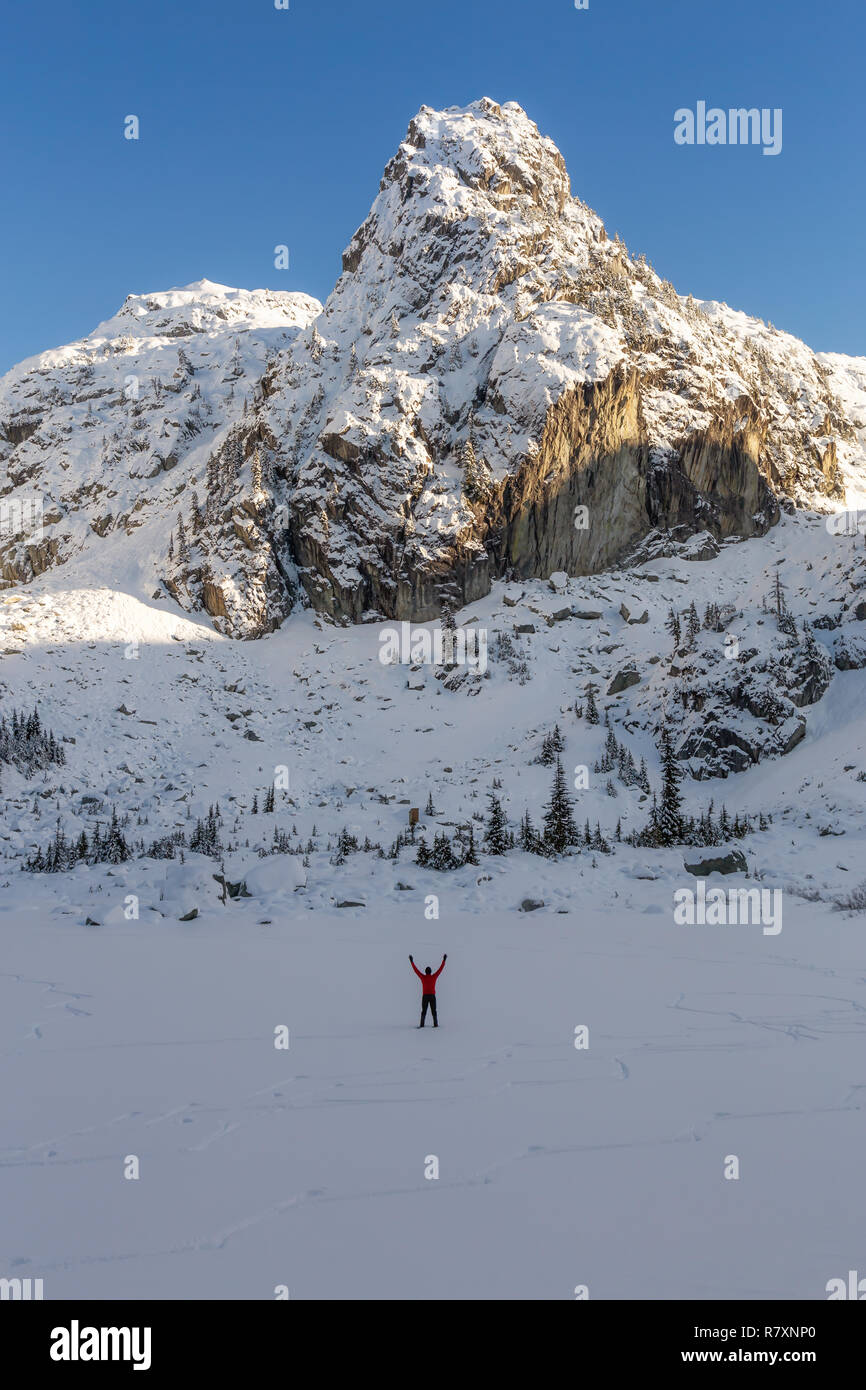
<point>528,838</point>
<point>591,708</point>
<point>693,624</point>
<point>477,478</point>
<point>547,756</point>
<point>673,626</point>
<point>442,855</point>
<point>670,816</point>
<point>560,830</point>
<point>449,628</point>
<point>496,830</point>
<point>116,850</point>
<point>470,854</point>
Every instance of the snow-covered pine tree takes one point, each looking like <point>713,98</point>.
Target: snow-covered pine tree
<point>442,855</point>
<point>670,814</point>
<point>547,756</point>
<point>449,628</point>
<point>560,830</point>
<point>470,853</point>
<point>477,477</point>
<point>591,708</point>
<point>528,838</point>
<point>184,367</point>
<point>496,829</point>
<point>116,849</point>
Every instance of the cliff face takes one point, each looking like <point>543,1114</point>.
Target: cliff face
<point>494,387</point>
<point>579,503</point>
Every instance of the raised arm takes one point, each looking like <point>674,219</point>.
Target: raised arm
<point>441,968</point>
<point>415,968</point>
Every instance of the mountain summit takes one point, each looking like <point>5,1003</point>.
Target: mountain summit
<point>493,388</point>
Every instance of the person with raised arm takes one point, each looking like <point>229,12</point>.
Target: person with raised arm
<point>428,990</point>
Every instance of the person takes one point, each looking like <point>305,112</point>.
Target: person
<point>428,990</point>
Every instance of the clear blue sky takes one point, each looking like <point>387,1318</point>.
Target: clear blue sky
<point>261,127</point>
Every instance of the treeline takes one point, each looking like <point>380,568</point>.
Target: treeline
<point>558,833</point>
<point>26,745</point>
<point>102,846</point>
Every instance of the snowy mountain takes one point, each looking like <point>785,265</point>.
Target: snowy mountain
<point>494,388</point>
<point>632,508</point>
<point>480,302</point>
<point>113,433</point>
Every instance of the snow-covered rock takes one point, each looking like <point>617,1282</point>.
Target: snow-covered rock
<point>494,388</point>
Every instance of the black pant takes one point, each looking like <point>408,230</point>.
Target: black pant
<point>428,1001</point>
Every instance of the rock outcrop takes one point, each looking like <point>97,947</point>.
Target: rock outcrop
<point>483,310</point>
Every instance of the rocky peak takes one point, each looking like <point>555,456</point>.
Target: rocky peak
<point>481,304</point>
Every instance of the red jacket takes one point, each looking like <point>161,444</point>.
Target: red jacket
<point>428,982</point>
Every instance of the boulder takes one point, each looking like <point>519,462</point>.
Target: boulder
<point>623,680</point>
<point>734,862</point>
